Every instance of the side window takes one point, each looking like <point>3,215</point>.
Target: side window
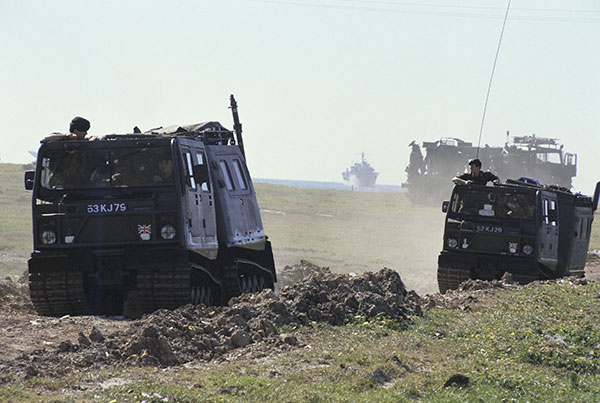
<point>189,175</point>
<point>553,214</point>
<point>454,205</point>
<point>227,175</point>
<point>588,228</point>
<point>46,172</point>
<point>205,186</point>
<point>239,173</point>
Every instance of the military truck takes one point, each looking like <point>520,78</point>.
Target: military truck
<point>165,218</point>
<point>542,158</point>
<point>428,177</point>
<point>521,227</point>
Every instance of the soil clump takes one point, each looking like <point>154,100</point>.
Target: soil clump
<point>251,325</point>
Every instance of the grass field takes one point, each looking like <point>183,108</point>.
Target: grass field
<point>538,343</point>
<point>530,344</point>
<point>15,220</point>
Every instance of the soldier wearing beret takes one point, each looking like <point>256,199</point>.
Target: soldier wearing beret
<point>77,131</point>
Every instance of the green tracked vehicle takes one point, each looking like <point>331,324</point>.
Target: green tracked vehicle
<point>159,220</point>
<point>521,227</point>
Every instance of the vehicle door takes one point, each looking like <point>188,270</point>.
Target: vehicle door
<point>548,230</point>
<point>199,203</point>
<point>239,212</point>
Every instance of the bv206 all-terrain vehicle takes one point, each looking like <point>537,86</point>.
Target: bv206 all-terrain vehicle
<point>520,227</point>
<point>164,218</point>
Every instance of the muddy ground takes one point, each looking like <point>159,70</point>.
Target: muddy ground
<point>253,325</point>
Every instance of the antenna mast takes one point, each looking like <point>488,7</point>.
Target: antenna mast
<point>237,126</point>
<point>492,78</point>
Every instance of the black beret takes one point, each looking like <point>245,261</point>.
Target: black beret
<point>475,162</point>
<point>79,123</point>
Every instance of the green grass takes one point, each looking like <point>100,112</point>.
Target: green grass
<point>507,346</point>
<point>15,220</point>
<point>595,237</point>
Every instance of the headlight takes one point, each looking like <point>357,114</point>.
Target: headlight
<point>452,242</point>
<point>48,237</point>
<point>168,232</point>
<point>528,249</point>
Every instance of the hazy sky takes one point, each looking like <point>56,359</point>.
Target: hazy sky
<point>317,81</point>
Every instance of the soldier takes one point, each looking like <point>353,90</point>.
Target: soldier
<point>476,176</point>
<point>77,131</point>
<point>415,166</point>
<point>165,171</point>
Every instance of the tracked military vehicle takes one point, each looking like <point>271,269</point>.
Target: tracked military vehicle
<point>520,227</point>
<point>428,177</point>
<point>164,218</point>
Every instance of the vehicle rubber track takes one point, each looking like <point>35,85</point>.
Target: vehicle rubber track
<point>450,278</point>
<point>58,293</point>
<point>231,283</point>
<point>167,288</point>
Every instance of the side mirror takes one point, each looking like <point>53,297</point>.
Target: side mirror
<point>445,205</point>
<point>29,177</point>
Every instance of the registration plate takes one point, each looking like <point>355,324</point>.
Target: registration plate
<point>489,228</point>
<point>106,208</point>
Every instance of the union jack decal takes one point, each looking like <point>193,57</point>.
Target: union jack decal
<point>145,230</point>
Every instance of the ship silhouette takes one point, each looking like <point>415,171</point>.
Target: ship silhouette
<point>360,174</point>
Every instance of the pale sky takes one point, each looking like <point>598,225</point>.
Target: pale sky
<point>317,81</point>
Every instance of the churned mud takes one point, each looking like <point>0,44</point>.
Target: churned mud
<point>250,325</point>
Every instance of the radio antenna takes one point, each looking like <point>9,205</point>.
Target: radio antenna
<point>487,97</point>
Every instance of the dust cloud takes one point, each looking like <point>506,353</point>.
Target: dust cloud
<point>356,232</point>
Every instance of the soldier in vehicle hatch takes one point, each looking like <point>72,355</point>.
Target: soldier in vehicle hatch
<point>78,129</point>
<point>476,176</point>
<point>415,165</point>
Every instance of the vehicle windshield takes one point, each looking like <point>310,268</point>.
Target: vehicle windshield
<point>553,157</point>
<point>102,168</point>
<point>493,203</point>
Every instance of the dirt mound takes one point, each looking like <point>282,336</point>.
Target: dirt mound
<point>290,275</point>
<point>251,322</point>
<point>14,296</point>
<point>173,337</point>
<point>469,292</point>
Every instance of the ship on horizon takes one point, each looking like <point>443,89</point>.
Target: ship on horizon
<point>360,174</point>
